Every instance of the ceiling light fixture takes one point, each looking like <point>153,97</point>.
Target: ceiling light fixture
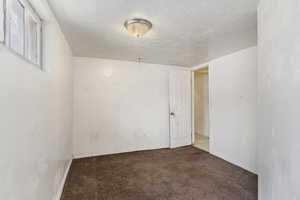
<point>138,27</point>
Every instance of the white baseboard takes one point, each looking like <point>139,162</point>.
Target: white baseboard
<point>62,184</point>
<point>89,155</point>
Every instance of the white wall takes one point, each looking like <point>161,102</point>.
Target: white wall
<point>232,81</point>
<point>36,117</point>
<point>201,107</point>
<point>123,106</point>
<point>119,106</point>
<point>279,99</point>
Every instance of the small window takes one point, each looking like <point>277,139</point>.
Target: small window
<point>23,30</point>
<point>32,38</point>
<point>1,20</point>
<point>16,26</point>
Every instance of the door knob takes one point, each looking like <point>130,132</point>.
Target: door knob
<point>172,114</point>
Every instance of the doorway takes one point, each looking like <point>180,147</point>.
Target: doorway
<point>201,108</point>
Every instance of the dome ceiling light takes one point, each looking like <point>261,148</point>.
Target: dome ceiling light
<point>138,27</point>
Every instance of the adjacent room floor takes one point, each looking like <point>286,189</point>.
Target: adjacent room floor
<point>180,174</point>
<point>201,142</point>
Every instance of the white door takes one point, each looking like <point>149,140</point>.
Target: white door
<point>180,108</point>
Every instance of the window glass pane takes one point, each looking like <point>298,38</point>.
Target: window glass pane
<point>16,26</point>
<point>32,40</point>
<point>1,20</point>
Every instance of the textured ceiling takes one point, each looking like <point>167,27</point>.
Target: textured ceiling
<point>185,32</point>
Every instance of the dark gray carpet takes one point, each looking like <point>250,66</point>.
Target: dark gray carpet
<point>179,174</point>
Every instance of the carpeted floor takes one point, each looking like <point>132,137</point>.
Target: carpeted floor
<point>180,174</point>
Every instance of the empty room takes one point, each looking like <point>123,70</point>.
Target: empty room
<point>149,100</point>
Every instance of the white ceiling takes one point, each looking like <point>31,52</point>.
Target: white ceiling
<point>185,32</point>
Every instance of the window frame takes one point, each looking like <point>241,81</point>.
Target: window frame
<point>8,27</point>
<point>2,22</point>
<point>28,12</point>
<point>37,20</point>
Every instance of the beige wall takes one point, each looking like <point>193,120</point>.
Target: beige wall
<point>201,103</point>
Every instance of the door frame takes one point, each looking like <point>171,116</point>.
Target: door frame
<point>192,70</point>
<point>193,101</point>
